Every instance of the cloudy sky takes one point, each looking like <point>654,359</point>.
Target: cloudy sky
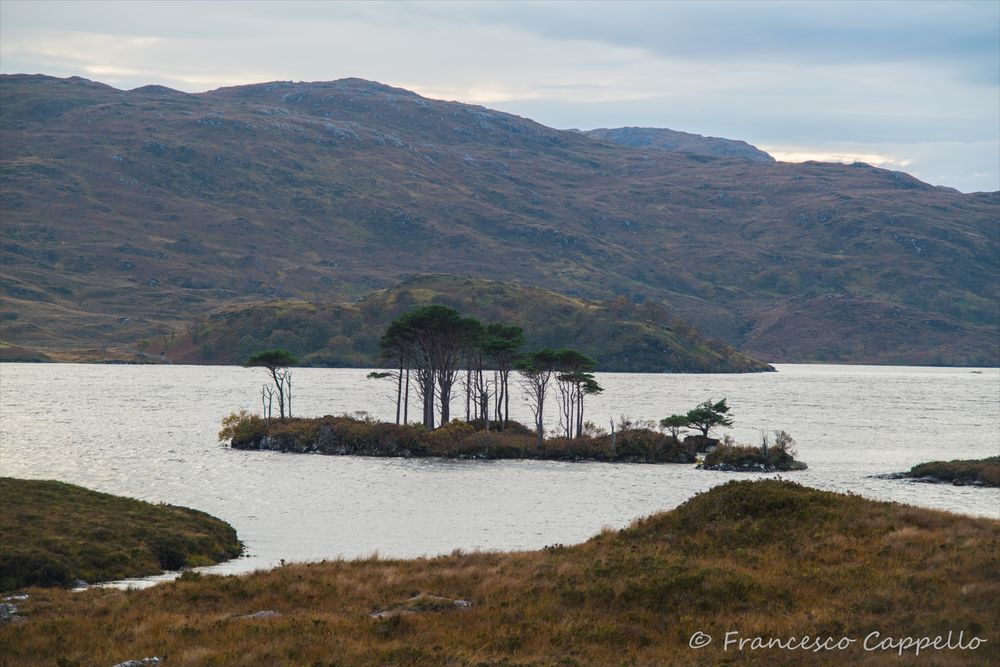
<point>906,85</point>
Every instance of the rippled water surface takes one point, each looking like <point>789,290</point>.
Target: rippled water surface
<point>150,432</point>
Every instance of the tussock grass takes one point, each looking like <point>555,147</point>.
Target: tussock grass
<point>52,533</point>
<point>766,558</point>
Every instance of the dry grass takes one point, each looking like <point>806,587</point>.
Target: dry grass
<point>764,558</point>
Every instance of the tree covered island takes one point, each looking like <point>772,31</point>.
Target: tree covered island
<point>437,357</point>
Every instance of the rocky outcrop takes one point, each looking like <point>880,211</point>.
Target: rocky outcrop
<point>8,613</point>
<point>421,603</point>
<point>141,662</point>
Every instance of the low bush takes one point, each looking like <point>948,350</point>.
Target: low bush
<point>242,428</point>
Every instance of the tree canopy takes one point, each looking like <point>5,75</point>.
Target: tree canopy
<point>708,415</point>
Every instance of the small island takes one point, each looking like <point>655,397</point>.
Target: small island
<point>770,456</point>
<point>969,472</point>
<point>57,534</point>
<point>435,354</point>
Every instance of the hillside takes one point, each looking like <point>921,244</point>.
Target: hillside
<point>619,336</point>
<point>684,142</point>
<point>763,559</point>
<point>127,214</point>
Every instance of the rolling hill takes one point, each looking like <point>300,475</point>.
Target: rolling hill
<point>127,214</point>
<point>619,336</point>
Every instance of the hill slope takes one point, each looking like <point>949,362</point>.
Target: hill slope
<point>127,213</point>
<point>618,336</point>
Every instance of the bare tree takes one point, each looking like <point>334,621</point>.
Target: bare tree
<point>536,370</point>
<point>276,362</point>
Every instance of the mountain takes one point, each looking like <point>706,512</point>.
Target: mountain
<point>126,214</point>
<point>672,140</point>
<point>618,335</point>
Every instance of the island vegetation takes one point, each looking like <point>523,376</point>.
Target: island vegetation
<point>54,534</point>
<point>435,352</point>
<point>362,436</point>
<point>969,472</point>
<point>763,559</point>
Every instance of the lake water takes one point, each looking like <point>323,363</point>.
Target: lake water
<point>150,432</point>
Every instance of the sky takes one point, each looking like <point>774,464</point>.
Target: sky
<point>913,86</point>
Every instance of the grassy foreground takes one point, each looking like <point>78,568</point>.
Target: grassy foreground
<point>976,472</point>
<point>766,558</point>
<point>52,534</point>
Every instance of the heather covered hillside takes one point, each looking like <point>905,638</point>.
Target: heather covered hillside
<point>127,214</point>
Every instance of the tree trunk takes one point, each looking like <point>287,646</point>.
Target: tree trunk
<point>428,385</point>
<point>468,394</point>
<point>281,392</point>
<point>498,399</point>
<point>399,388</point>
<point>288,380</point>
<point>506,399</point>
<point>406,399</point>
<point>445,400</point>
<point>540,422</point>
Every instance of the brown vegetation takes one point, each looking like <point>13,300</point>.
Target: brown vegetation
<point>456,439</point>
<point>52,534</point>
<point>974,472</point>
<point>766,558</point>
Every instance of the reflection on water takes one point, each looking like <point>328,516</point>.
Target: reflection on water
<point>150,432</point>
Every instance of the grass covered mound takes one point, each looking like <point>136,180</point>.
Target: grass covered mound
<point>457,439</point>
<point>970,472</point>
<point>772,455</point>
<point>766,558</point>
<point>52,534</point>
